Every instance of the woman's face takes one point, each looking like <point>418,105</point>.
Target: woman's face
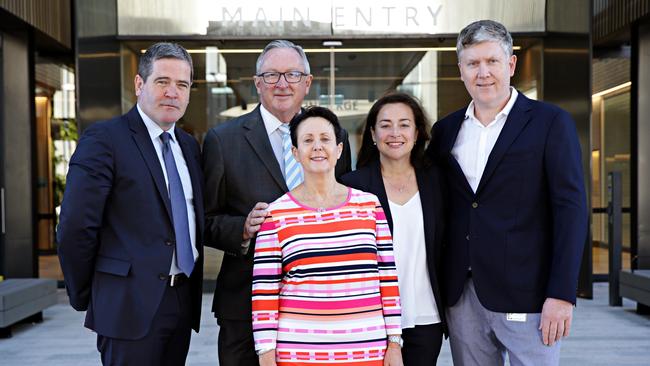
<point>317,149</point>
<point>394,132</point>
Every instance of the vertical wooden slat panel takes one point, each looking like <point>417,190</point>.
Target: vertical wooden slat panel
<point>52,17</point>
<point>614,15</point>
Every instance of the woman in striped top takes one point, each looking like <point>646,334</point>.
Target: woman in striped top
<point>324,279</point>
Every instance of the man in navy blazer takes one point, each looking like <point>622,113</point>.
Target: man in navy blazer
<point>517,220</point>
<point>132,220</point>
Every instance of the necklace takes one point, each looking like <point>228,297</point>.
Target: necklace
<point>399,187</point>
<point>321,203</point>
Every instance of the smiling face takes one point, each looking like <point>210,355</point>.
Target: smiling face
<point>486,69</point>
<point>317,149</point>
<point>282,99</point>
<point>395,132</point>
<point>166,92</point>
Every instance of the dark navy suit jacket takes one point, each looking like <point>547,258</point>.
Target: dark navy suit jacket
<point>429,181</point>
<point>115,235</point>
<point>524,230</point>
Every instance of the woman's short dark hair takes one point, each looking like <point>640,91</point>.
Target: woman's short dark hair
<point>315,111</point>
<point>369,152</point>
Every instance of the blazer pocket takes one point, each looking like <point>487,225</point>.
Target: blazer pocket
<point>112,266</point>
<point>527,260</point>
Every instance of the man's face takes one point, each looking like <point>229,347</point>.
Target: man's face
<point>282,99</point>
<point>486,69</point>
<point>166,93</point>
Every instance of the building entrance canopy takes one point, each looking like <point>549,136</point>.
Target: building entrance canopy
<point>321,18</point>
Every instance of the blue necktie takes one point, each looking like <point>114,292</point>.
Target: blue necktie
<point>184,255</point>
<point>292,170</point>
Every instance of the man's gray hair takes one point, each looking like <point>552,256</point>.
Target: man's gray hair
<point>281,44</point>
<point>484,31</point>
<point>159,51</point>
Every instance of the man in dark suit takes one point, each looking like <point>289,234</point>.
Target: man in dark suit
<point>517,212</point>
<point>247,164</point>
<point>132,220</point>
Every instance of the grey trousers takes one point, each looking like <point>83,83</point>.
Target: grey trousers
<point>478,336</point>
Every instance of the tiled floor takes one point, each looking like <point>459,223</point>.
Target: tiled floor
<point>601,335</point>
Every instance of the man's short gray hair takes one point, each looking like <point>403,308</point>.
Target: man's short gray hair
<point>280,43</point>
<point>159,51</point>
<point>484,31</point>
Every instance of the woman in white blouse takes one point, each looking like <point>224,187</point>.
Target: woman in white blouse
<point>392,165</point>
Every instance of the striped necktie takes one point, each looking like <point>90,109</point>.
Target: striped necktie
<point>184,255</point>
<point>292,170</point>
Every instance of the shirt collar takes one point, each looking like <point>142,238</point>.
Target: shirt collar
<point>271,123</point>
<point>152,127</point>
<point>469,113</point>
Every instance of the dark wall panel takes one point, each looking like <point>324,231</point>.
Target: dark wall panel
<point>643,154</point>
<point>16,107</point>
<point>98,69</point>
<point>567,83</point>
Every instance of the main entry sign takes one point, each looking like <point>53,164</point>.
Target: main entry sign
<point>318,18</point>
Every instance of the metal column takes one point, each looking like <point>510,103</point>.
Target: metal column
<point>615,234</point>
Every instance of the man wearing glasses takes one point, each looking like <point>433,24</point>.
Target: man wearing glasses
<point>247,164</point>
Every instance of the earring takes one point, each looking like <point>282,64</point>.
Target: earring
<point>374,143</point>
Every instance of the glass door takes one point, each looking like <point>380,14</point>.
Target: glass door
<point>611,152</point>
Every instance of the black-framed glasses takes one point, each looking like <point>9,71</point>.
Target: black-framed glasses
<point>273,77</point>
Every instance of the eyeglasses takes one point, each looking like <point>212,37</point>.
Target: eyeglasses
<point>273,77</point>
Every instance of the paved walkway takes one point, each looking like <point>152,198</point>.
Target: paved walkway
<point>601,335</point>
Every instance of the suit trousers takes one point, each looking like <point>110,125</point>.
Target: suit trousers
<point>478,336</point>
<point>422,344</point>
<point>167,342</point>
<point>236,344</point>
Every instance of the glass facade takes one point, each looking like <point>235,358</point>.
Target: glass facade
<point>611,152</point>
<point>56,137</point>
<point>347,79</point>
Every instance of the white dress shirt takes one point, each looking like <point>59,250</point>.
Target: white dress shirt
<point>409,248</point>
<point>154,133</point>
<point>475,141</point>
<point>272,125</point>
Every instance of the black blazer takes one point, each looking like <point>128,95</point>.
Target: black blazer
<point>369,179</point>
<point>240,170</point>
<point>115,231</point>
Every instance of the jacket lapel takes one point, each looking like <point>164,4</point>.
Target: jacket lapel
<point>259,141</point>
<point>195,177</point>
<point>144,144</point>
<point>516,121</point>
<point>376,184</point>
<point>453,163</point>
<point>429,205</point>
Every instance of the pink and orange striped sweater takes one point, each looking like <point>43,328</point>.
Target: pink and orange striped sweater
<point>324,283</point>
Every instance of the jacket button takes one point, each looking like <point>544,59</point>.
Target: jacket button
<point>467,237</point>
<point>474,205</point>
<point>162,276</point>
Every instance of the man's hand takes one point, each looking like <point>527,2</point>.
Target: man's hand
<point>255,219</point>
<point>268,358</point>
<point>555,322</point>
<point>393,356</point>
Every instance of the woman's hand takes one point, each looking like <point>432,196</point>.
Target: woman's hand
<point>393,355</point>
<point>268,358</point>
